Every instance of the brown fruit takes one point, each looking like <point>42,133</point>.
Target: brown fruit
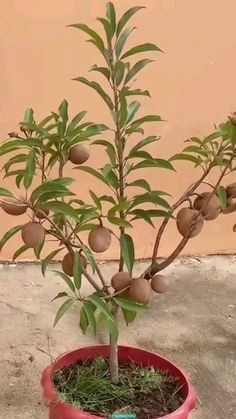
<point>208,205</point>
<point>232,118</point>
<point>40,211</point>
<point>189,220</point>
<point>230,207</point>
<point>68,263</point>
<point>231,191</point>
<point>79,153</point>
<point>140,290</point>
<point>99,239</point>
<point>160,284</point>
<point>121,280</point>
<point>13,207</point>
<point>32,234</point>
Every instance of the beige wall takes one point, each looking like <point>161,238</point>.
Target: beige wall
<point>192,85</point>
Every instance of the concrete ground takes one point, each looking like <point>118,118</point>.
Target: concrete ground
<point>193,324</point>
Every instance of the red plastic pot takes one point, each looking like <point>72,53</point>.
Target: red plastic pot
<point>60,410</point>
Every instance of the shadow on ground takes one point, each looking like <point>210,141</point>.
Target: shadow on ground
<point>194,324</point>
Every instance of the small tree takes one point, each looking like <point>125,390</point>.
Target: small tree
<point>56,213</point>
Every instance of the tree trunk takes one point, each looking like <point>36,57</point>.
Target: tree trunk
<point>114,361</point>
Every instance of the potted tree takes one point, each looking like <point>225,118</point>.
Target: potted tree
<point>109,379</point>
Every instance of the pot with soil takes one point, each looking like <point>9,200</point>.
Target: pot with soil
<point>78,386</point>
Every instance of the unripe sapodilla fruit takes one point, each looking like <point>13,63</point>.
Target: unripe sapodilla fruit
<point>187,219</point>
<point>208,205</point>
<point>231,190</point>
<point>121,280</point>
<point>140,290</point>
<point>68,263</point>
<point>79,153</point>
<point>230,207</point>
<point>13,207</point>
<point>99,239</point>
<point>40,211</point>
<point>32,234</point>
<point>160,284</point>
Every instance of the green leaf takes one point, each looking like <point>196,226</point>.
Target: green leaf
<point>113,331</point>
<point>126,16</point>
<point>19,251</point>
<point>92,172</point>
<point>103,70</point>
<point>56,194</point>
<point>108,30</point>
<point>222,195</point>
<point>141,183</point>
<point>89,312</point>
<point>110,176</point>
<point>111,16</point>
<point>127,249</point>
<point>122,40</point>
<point>153,197</point>
<point>140,154</point>
<point>75,121</point>
<point>77,270</point>
<point>20,158</point>
<point>133,108</point>
<point>142,214</point>
<point>63,112</point>
<point>147,118</point>
<point>58,185</point>
<point>8,235</point>
<point>60,295</point>
<point>30,169</point>
<point>38,250</point>
<point>135,92</point>
<point>67,279</point>
<point>97,39</point>
<point>119,222</point>
<point>182,156</point>
<point>101,306</point>
<point>45,121</point>
<point>161,163</point>
<point>29,115</point>
<point>90,257</point>
<point>136,68</point>
<point>83,320</point>
<point>5,192</point>
<point>19,179</point>
<point>96,200</point>
<point>145,142</point>
<point>129,305</point>
<point>94,85</point>
<point>48,259</point>
<point>129,316</point>
<point>119,71</point>
<point>62,208</point>
<point>141,48</point>
<point>63,309</point>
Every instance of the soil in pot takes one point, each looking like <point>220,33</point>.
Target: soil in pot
<point>144,391</point>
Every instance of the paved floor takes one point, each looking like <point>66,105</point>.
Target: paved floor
<point>194,324</point>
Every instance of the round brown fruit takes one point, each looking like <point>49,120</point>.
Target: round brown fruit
<point>189,222</point>
<point>99,239</point>
<point>13,207</point>
<point>68,263</point>
<point>121,280</point>
<point>230,207</point>
<point>232,118</point>
<point>140,290</point>
<point>231,191</point>
<point>40,212</point>
<point>33,234</point>
<point>79,153</point>
<point>208,205</point>
<point>160,284</point>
